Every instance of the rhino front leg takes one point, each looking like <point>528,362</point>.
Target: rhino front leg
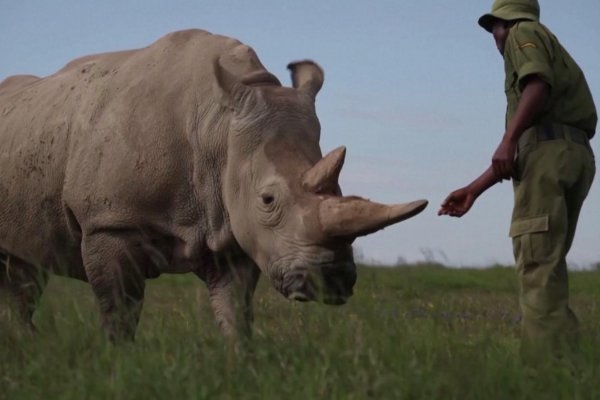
<point>231,288</point>
<point>115,265</point>
<point>24,283</point>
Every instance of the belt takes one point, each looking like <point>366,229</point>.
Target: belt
<point>554,131</point>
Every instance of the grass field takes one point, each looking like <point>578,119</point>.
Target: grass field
<point>419,332</point>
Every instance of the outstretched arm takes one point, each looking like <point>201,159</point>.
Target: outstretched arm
<point>533,100</point>
<point>459,202</point>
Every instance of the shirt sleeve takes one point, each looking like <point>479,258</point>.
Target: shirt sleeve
<point>528,49</point>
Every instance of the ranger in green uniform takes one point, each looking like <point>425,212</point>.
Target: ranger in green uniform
<point>545,150</point>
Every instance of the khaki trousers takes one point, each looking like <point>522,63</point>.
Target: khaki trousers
<point>554,172</point>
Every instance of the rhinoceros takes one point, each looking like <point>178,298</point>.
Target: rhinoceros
<point>183,156</point>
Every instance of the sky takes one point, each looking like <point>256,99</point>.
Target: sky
<point>413,89</point>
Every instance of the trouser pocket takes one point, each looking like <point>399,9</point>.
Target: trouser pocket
<point>531,239</point>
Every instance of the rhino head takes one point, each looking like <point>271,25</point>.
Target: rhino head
<point>284,202</point>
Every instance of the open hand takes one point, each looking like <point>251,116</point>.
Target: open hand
<point>458,203</point>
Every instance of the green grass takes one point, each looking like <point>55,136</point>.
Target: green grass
<point>421,332</point>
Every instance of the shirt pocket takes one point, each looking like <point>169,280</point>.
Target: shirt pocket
<point>532,242</point>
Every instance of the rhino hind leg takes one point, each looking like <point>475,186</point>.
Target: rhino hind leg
<point>24,284</point>
<point>115,265</point>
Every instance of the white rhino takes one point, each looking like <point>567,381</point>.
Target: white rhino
<point>184,156</point>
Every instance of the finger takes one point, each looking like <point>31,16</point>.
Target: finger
<point>502,170</point>
<point>447,211</point>
<point>506,168</point>
<point>448,200</point>
<point>510,166</point>
<point>444,211</point>
<point>511,170</point>
<point>499,171</point>
<point>496,168</point>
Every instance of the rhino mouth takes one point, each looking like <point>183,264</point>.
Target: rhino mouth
<point>299,296</point>
<point>329,285</point>
<point>329,300</point>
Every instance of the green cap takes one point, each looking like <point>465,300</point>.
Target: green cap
<point>509,10</point>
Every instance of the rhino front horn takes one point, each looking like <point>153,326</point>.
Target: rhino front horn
<point>354,216</point>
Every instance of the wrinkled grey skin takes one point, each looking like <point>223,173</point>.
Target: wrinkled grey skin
<point>184,156</point>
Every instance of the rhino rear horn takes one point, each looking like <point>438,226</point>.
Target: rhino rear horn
<point>354,216</point>
<point>323,176</point>
<point>307,76</point>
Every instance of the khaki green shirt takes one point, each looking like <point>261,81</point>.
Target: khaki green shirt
<point>531,49</point>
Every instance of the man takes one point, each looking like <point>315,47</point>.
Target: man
<point>545,150</point>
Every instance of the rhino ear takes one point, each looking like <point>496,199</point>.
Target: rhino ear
<point>307,76</point>
<point>230,88</point>
<point>235,89</point>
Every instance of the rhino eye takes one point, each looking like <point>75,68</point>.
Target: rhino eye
<point>267,199</point>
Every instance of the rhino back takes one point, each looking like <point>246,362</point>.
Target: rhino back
<point>123,139</point>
